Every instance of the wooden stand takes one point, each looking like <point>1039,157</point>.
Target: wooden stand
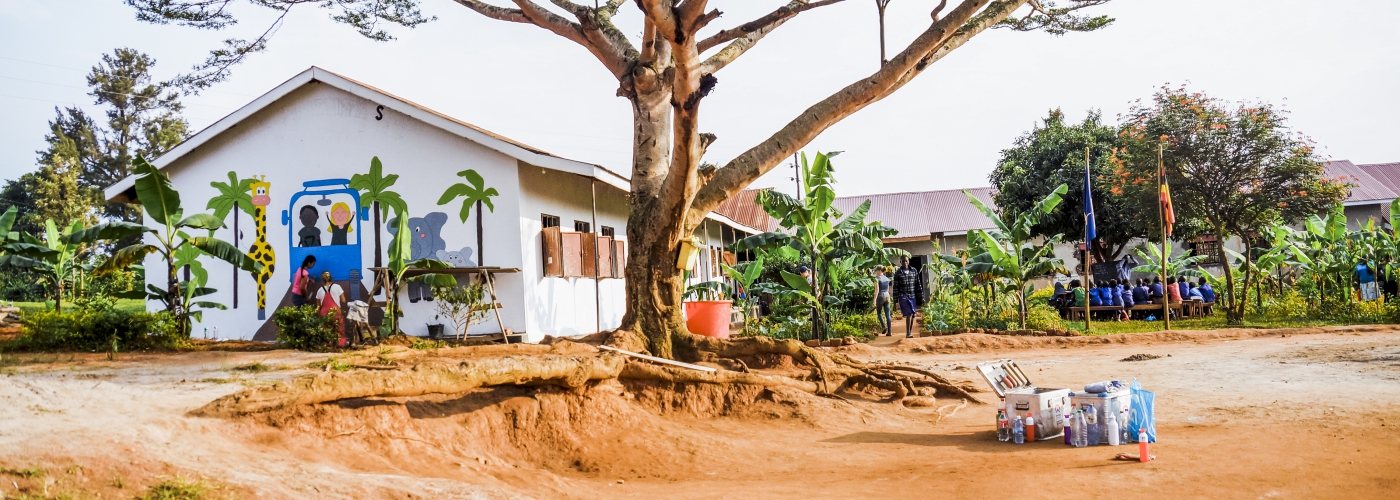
<point>381,283</point>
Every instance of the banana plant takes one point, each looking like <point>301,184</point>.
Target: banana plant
<point>814,228</point>
<point>1008,252</point>
<point>161,203</point>
<point>52,257</point>
<point>1176,266</point>
<point>746,275</point>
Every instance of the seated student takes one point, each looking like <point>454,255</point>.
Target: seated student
<point>1195,293</point>
<point>1095,296</point>
<point>1207,293</point>
<point>1155,291</point>
<point>1183,285</point>
<point>1140,293</point>
<point>1057,300</point>
<point>1173,292</point>
<point>1128,301</point>
<point>1078,290</point>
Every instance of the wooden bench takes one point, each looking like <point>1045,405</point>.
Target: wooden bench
<point>1175,307</point>
<point>1077,313</point>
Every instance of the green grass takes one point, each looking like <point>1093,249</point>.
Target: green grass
<point>127,305</point>
<point>175,489</point>
<point>1212,322</point>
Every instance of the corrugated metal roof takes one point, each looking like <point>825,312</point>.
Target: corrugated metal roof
<point>919,214</point>
<point>743,208</point>
<point>1365,186</point>
<point>1387,173</point>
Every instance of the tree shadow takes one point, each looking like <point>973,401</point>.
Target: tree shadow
<point>981,441</point>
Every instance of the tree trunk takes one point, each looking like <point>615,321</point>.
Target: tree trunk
<point>235,245</point>
<point>1230,297</point>
<point>378,253</point>
<point>1021,295</point>
<point>58,297</point>
<point>480,261</point>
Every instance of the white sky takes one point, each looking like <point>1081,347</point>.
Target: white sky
<point>1334,65</point>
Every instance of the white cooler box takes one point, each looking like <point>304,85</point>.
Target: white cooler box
<point>1102,403</point>
<point>1022,396</point>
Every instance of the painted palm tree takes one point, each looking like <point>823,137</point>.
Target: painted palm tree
<point>375,194</point>
<point>476,193</point>
<point>233,195</point>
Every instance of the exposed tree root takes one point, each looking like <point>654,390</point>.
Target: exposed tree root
<point>680,375</point>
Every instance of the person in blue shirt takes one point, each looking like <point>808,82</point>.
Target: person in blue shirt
<point>1207,293</point>
<point>1095,297</point>
<point>1366,279</point>
<point>1156,291</point>
<point>1126,291</point>
<point>1140,293</point>
<point>1195,294</point>
<point>1183,286</point>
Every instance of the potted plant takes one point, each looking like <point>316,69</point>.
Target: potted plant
<point>460,305</point>
<point>707,309</point>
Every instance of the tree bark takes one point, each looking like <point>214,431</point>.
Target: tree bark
<point>378,254</point>
<point>1230,298</point>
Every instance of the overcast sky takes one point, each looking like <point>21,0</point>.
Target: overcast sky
<point>1335,66</point>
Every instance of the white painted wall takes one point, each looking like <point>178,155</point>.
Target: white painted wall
<point>566,306</point>
<point>319,132</point>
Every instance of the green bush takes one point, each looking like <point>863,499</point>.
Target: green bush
<point>98,329</point>
<point>303,329</point>
<point>1040,316</point>
<point>855,325</point>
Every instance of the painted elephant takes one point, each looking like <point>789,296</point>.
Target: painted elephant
<point>427,241</point>
<point>458,258</point>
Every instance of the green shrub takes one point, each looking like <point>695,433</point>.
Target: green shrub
<point>1040,316</point>
<point>860,326</point>
<point>98,329</point>
<point>303,329</point>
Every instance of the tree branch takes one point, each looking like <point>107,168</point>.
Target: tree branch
<point>931,45</point>
<point>494,12</point>
<point>765,23</point>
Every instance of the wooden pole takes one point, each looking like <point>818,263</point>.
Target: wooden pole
<point>1162,216</point>
<point>1087,244</point>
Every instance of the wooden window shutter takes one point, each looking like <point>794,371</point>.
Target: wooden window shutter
<point>552,251</point>
<point>571,250</point>
<point>605,257</point>
<point>620,258</point>
<point>586,242</point>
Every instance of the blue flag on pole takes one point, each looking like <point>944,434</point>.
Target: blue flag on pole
<point>1089,231</point>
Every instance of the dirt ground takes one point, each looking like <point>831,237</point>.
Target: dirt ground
<point>1241,414</point>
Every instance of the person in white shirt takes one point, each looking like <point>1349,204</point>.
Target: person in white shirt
<point>330,299</point>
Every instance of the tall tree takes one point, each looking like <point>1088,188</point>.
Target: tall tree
<point>56,190</point>
<point>1235,168</point>
<point>142,120</point>
<point>665,76</point>
<point>1052,155</point>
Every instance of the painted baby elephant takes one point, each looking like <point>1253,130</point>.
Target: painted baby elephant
<point>427,241</point>
<point>459,258</point>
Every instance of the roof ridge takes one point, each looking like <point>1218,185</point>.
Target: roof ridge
<point>914,192</point>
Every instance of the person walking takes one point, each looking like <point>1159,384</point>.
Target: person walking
<point>301,281</point>
<point>906,293</point>
<point>1366,280</point>
<point>882,300</point>
<point>330,298</point>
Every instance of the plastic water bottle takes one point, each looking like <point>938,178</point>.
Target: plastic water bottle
<point>216,333</point>
<point>1069,429</point>
<point>1142,445</point>
<point>1080,430</point>
<point>206,333</point>
<point>1018,431</point>
<point>1003,427</point>
<point>1111,429</point>
<point>1091,432</point>
<point>1030,427</point>
<point>1127,432</point>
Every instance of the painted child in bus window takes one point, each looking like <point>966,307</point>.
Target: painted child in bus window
<point>341,217</point>
<point>309,235</point>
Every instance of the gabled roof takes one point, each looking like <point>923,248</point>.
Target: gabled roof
<point>917,215</point>
<point>1375,183</point>
<point>508,147</point>
<point>743,208</point>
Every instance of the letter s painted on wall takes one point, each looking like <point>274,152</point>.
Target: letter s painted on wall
<point>379,112</point>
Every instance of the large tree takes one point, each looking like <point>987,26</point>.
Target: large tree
<point>1235,169</point>
<point>665,75</point>
<point>142,119</point>
<point>1053,155</point>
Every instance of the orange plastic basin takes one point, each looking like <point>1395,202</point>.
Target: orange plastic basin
<point>708,317</point>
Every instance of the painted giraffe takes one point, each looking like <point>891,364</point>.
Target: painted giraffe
<point>261,251</point>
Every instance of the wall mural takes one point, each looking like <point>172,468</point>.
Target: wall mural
<point>261,251</point>
<point>376,196</point>
<point>234,196</point>
<point>476,193</point>
<point>426,243</point>
<point>324,228</point>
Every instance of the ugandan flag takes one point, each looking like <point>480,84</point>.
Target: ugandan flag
<point>1168,214</point>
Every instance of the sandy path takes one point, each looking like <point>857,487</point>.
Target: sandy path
<point>1306,416</point>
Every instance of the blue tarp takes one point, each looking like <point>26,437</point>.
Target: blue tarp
<point>1144,416</point>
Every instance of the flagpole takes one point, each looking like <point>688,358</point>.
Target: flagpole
<point>1087,215</point>
<point>1162,216</point>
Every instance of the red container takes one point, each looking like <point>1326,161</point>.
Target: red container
<point>708,317</point>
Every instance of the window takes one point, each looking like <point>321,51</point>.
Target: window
<point>608,231</point>
<point>547,220</point>
<point>582,227</point>
<point>1210,249</point>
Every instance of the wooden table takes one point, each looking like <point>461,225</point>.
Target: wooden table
<point>382,282</point>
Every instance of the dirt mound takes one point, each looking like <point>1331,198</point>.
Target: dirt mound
<point>631,429</point>
<point>979,342</point>
<point>1142,357</point>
